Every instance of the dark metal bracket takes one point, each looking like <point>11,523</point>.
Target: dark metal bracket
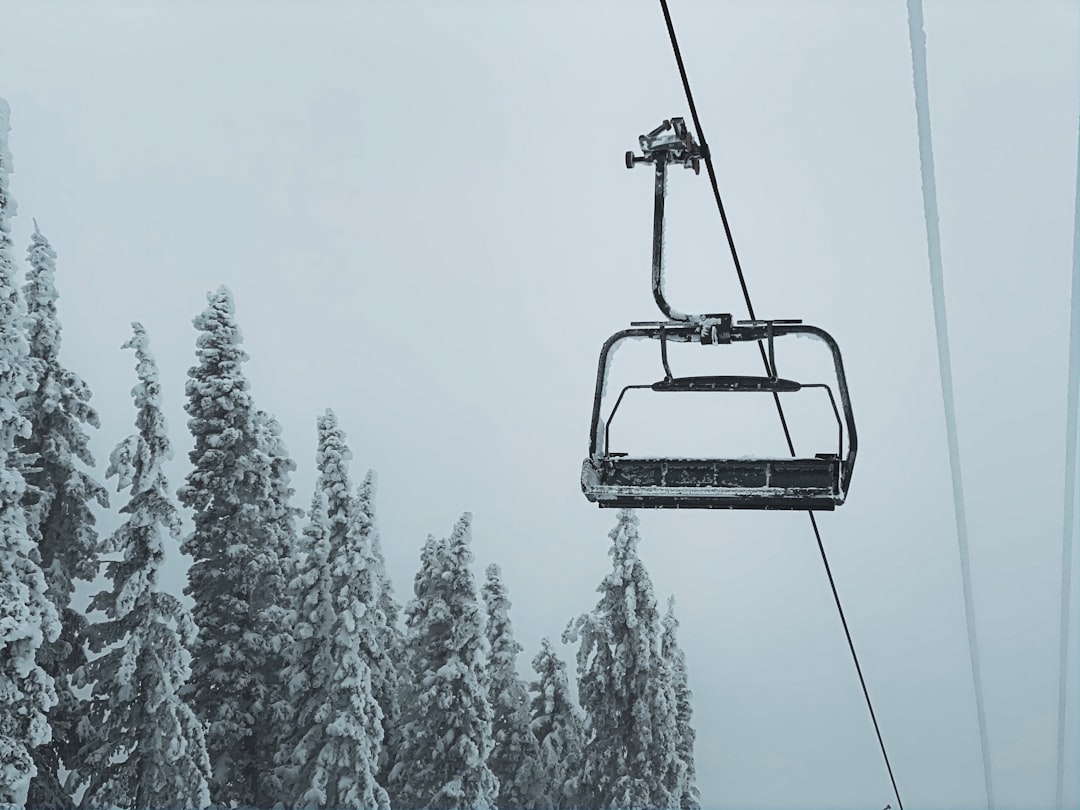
<point>669,143</point>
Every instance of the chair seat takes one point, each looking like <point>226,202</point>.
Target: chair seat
<point>688,483</point>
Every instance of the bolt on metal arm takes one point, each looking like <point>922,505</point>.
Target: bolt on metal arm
<point>670,142</point>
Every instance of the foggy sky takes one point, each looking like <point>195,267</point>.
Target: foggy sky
<point>422,211</point>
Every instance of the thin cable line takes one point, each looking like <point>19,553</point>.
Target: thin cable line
<point>854,657</point>
<point>708,157</point>
<point>707,154</point>
<point>1072,407</point>
<point>917,39</point>
<point>764,357</point>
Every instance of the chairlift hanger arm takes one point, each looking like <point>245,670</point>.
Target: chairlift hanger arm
<point>670,142</point>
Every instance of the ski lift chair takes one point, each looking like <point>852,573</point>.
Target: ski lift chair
<point>818,482</point>
<point>611,479</point>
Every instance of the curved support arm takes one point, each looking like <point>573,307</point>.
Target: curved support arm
<point>659,194</point>
<point>671,142</point>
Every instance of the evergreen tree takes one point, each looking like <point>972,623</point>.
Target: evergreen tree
<point>446,740</point>
<point>414,661</point>
<point>144,747</point>
<point>337,757</point>
<point>515,754</point>
<point>557,726</point>
<point>27,616</point>
<point>386,658</point>
<point>308,666</point>
<point>236,572</point>
<point>57,502</point>
<point>625,687</point>
<point>271,603</point>
<point>685,789</point>
<point>390,608</point>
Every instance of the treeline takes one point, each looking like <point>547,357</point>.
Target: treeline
<point>297,679</point>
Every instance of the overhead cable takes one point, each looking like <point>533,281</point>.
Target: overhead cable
<point>1072,408</point>
<point>769,370</point>
<point>917,39</point>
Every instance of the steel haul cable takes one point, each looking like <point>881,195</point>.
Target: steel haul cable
<point>1072,408</point>
<point>917,39</point>
<point>776,397</point>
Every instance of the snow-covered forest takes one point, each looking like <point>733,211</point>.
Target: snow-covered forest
<point>297,677</point>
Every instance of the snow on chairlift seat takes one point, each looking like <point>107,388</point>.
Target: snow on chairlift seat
<point>619,481</point>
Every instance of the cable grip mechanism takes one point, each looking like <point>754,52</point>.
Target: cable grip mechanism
<point>671,142</point>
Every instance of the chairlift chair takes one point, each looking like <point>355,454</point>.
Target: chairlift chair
<point>818,482</point>
<point>613,479</point>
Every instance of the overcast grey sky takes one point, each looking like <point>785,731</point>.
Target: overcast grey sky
<point>422,211</point>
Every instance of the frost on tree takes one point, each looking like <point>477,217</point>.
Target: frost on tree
<point>684,789</point>
<point>310,595</point>
<point>624,687</point>
<point>515,754</point>
<point>334,759</point>
<point>236,565</point>
<point>277,562</point>
<point>557,725</point>
<point>27,617</point>
<point>58,497</point>
<point>385,676</point>
<point>144,748</point>
<point>414,659</point>
<point>446,740</point>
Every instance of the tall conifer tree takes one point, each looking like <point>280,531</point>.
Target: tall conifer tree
<point>685,788</point>
<point>557,725</point>
<point>144,747</point>
<point>276,563</point>
<point>625,687</point>
<point>446,740</point>
<point>387,658</point>
<point>336,758</point>
<point>416,659</point>
<point>310,595</point>
<point>58,498</point>
<point>515,756</point>
<point>236,564</point>
<point>29,617</point>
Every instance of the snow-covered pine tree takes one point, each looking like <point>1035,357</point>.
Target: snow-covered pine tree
<point>336,759</point>
<point>366,500</point>
<point>29,617</point>
<point>515,756</point>
<point>388,657</point>
<point>57,501</point>
<point>446,738</point>
<point>685,790</point>
<point>235,547</point>
<point>309,596</point>
<point>416,659</point>
<point>625,687</point>
<point>144,748</point>
<point>557,725</point>
<point>271,602</point>
<point>426,584</point>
